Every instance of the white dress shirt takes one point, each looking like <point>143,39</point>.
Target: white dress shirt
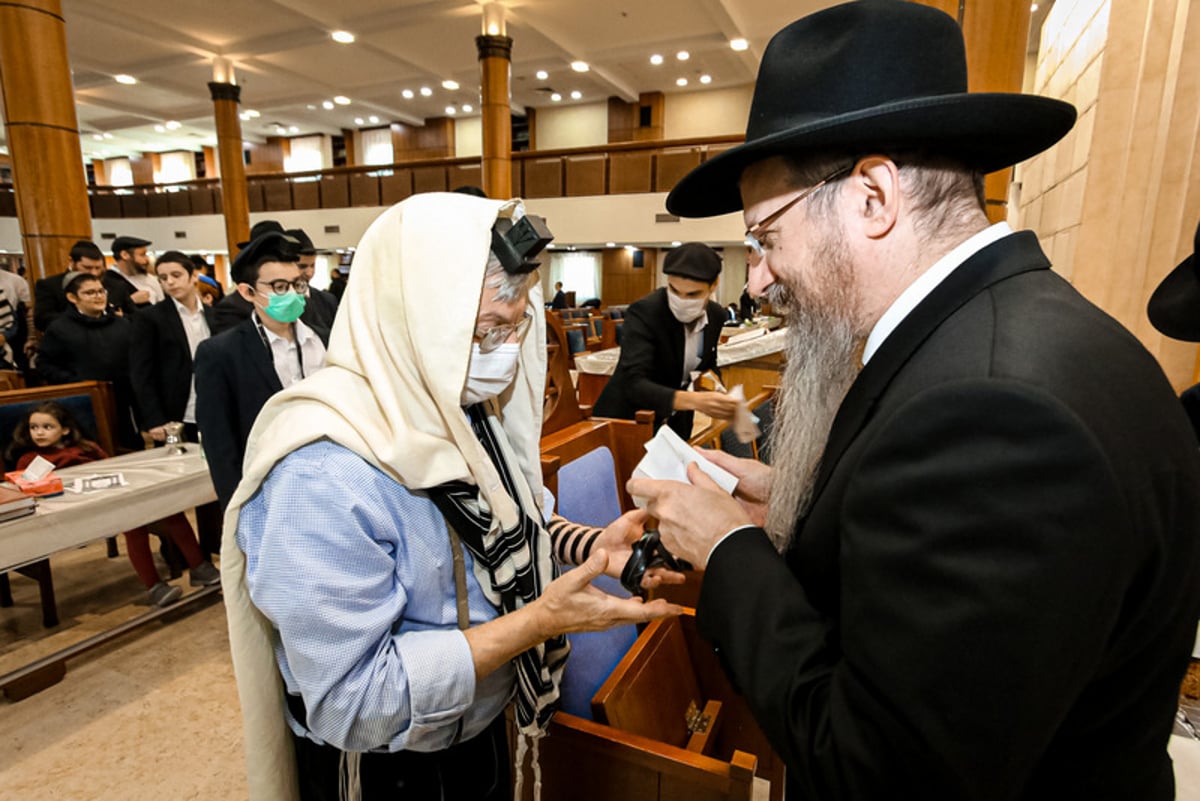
<point>284,353</point>
<point>196,329</point>
<point>693,340</point>
<point>16,287</point>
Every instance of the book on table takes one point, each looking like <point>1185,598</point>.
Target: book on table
<point>14,503</point>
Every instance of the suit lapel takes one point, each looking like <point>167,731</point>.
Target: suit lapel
<point>1007,257</point>
<point>176,331</point>
<point>260,355</point>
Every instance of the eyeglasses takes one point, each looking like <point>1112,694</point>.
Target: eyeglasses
<point>497,335</point>
<point>92,293</point>
<point>757,246</point>
<point>280,286</point>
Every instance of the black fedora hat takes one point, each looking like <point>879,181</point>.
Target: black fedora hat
<point>871,75</point>
<point>1174,308</point>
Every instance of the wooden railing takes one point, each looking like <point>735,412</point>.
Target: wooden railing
<point>614,169</point>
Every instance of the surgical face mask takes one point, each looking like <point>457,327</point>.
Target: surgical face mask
<point>489,374</point>
<point>285,308</point>
<point>686,310</point>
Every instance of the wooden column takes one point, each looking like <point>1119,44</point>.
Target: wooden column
<point>234,198</point>
<point>43,134</point>
<point>996,35</point>
<point>495,58</point>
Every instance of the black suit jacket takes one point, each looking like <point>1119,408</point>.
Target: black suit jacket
<point>650,369</point>
<point>50,301</point>
<point>235,377</point>
<point>995,591</point>
<point>160,363</point>
<point>319,310</point>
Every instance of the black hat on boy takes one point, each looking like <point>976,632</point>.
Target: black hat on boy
<point>267,247</point>
<point>1174,308</point>
<point>693,260</point>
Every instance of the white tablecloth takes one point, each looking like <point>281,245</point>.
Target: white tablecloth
<point>159,485</point>
<point>604,362</point>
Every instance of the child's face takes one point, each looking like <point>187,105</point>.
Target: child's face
<point>44,430</point>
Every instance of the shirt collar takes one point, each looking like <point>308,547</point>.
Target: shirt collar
<point>926,282</point>
<point>302,333</point>
<point>185,310</point>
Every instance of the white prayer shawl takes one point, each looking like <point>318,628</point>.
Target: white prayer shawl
<point>390,392</point>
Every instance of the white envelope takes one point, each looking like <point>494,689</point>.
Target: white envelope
<point>667,457</point>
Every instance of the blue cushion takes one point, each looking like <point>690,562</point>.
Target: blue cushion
<point>575,341</point>
<point>587,489</point>
<point>594,654</point>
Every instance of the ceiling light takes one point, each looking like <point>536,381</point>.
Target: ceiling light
<point>128,80</point>
<point>542,75</point>
<point>358,120</point>
<point>1033,7</point>
<point>342,100</point>
<point>576,94</point>
<point>451,85</point>
<point>163,128</point>
<point>342,37</point>
<point>451,110</point>
<point>311,107</point>
<point>468,108</point>
<point>681,81</point>
<point>683,55</point>
<point>426,91</point>
<point>173,125</point>
<point>656,59</point>
<point>372,119</point>
<point>279,129</point>
<point>244,117</point>
<point>676,243</point>
<point>610,244</point>
<point>579,66</point>
<point>556,97</point>
<point>739,44</point>
<point>327,105</point>
<point>293,129</point>
<point>407,94</point>
<point>98,137</point>
<point>252,114</point>
<point>705,79</point>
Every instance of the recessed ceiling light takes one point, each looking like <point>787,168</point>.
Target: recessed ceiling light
<point>468,108</point>
<point>280,129</point>
<point>451,110</point>
<point>407,94</point>
<point>243,116</point>
<point>1033,7</point>
<point>98,137</point>
<point>426,91</point>
<point>327,105</point>
<point>128,80</point>
<point>580,66</point>
<point>739,44</point>
<point>163,128</point>
<point>683,55</point>
<point>252,114</point>
<point>576,94</point>
<point>610,244</point>
<point>342,100</point>
<point>451,85</point>
<point>294,129</point>
<point>681,81</point>
<point>173,125</point>
<point>342,37</point>
<point>311,107</point>
<point>556,97</point>
<point>656,59</point>
<point>676,243</point>
<point>358,120</point>
<point>372,119</point>
<point>108,135</point>
<point>542,75</point>
<point>705,79</point>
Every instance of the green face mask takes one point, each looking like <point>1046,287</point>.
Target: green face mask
<point>285,308</point>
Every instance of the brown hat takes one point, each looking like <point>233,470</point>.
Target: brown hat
<point>693,260</point>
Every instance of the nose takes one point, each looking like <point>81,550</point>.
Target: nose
<point>760,276</point>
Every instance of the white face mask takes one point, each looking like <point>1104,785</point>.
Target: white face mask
<point>686,311</point>
<point>489,374</point>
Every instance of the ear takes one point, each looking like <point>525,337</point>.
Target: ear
<point>246,291</point>
<point>875,184</point>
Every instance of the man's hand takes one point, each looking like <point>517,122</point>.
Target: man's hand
<point>141,296</point>
<point>754,481</point>
<point>691,517</point>
<point>158,433</point>
<point>570,603</point>
<point>617,538</point>
<point>716,405</point>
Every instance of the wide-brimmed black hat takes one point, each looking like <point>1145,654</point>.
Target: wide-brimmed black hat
<point>266,247</point>
<point>1174,308</point>
<point>260,228</point>
<point>867,76</point>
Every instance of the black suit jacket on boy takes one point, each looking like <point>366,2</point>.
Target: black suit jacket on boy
<point>994,593</point>
<point>650,369</point>
<point>160,363</point>
<point>50,301</point>
<point>235,376</point>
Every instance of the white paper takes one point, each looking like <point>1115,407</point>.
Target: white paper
<point>667,457</point>
<point>744,423</point>
<point>96,482</point>
<point>38,469</point>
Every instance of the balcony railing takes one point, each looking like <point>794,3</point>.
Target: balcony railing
<point>615,169</point>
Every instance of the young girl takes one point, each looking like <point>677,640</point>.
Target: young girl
<point>51,432</point>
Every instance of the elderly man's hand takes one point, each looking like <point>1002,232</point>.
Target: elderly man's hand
<point>617,538</point>
<point>754,481</point>
<point>570,603</point>
<point>691,517</point>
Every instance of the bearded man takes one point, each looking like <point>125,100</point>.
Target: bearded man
<point>972,572</point>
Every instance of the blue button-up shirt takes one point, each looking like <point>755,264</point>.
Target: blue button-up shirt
<point>356,573</point>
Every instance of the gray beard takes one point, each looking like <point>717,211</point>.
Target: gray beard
<point>822,349</point>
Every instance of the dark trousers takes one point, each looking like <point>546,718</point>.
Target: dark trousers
<point>208,517</point>
<point>475,770</point>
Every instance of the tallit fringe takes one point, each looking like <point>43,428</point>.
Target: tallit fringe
<point>523,747</point>
<point>349,777</point>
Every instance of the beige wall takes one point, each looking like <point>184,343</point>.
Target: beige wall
<point>1116,202</point>
<point>583,125</point>
<point>468,137</point>
<point>713,112</point>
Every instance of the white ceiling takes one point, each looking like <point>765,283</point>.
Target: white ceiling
<point>288,65</point>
